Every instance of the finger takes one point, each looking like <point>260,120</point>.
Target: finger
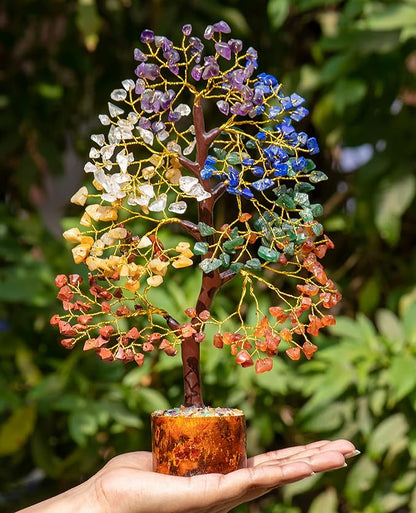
<point>318,462</point>
<point>295,453</point>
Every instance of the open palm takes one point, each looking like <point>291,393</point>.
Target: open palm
<point>128,485</point>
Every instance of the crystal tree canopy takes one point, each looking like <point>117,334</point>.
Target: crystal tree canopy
<point>156,166</point>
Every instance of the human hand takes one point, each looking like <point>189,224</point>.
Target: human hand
<point>127,484</point>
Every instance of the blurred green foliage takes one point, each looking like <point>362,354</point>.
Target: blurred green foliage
<point>62,414</point>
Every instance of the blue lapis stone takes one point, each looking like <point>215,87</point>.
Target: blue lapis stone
<point>246,193</point>
<point>263,184</point>
<point>247,162</point>
<point>257,171</point>
<point>206,173</point>
<point>296,99</point>
<point>261,136</point>
<point>302,138</point>
<point>210,160</point>
<point>232,190</point>
<point>286,103</point>
<point>312,145</point>
<point>286,129</point>
<point>299,164</point>
<point>281,169</point>
<point>274,112</point>
<point>299,113</point>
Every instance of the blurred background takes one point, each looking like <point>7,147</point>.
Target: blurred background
<point>63,414</point>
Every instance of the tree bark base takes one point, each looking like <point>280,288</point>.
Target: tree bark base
<point>192,441</point>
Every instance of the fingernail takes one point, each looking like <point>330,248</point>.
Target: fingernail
<point>312,473</point>
<point>353,453</point>
<point>345,465</point>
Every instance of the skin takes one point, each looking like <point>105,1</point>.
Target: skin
<point>126,484</point>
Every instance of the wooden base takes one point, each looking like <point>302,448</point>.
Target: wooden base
<point>198,441</point>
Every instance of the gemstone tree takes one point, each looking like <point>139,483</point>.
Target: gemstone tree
<point>158,167</point>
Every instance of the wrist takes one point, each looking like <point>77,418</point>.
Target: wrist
<point>80,499</point>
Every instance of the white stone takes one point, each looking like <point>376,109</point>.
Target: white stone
<point>132,118</point>
<point>189,149</point>
<point>98,139</point>
<point>128,84</point>
<point>159,204</point>
<point>178,207</point>
<point>183,109</point>
<point>94,153</point>
<point>114,110</point>
<point>122,160</point>
<point>162,135</point>
<point>174,147</point>
<point>147,190</point>
<point>104,119</point>
<point>186,183</point>
<point>107,151</point>
<point>90,167</point>
<point>146,135</point>
<point>144,242</point>
<point>199,192</point>
<point>118,95</point>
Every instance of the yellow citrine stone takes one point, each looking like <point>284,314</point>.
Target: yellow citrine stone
<point>80,252</point>
<point>155,281</point>
<point>102,213</point>
<point>182,261</point>
<point>80,197</point>
<point>72,235</point>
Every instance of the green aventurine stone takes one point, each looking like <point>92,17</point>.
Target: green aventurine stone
<point>208,265</point>
<point>250,144</point>
<point>317,229</point>
<point>268,254</point>
<point>230,245</point>
<point>289,249</point>
<point>310,165</point>
<point>316,209</point>
<point>201,248</point>
<point>225,259</point>
<point>317,176</point>
<point>306,215</point>
<point>205,230</point>
<point>254,264</point>
<point>304,187</point>
<point>236,267</point>
<point>233,159</point>
<point>286,201</point>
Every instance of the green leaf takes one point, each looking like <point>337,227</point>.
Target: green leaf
<point>390,17</point>
<point>388,431</point>
<point>152,400</point>
<point>401,375</point>
<point>326,502</point>
<point>361,478</point>
<point>348,92</point>
<point>278,11</point>
<point>393,200</point>
<point>16,429</point>
<point>81,425</point>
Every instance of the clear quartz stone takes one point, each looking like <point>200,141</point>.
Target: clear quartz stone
<point>189,149</point>
<point>114,110</point>
<point>159,204</point>
<point>122,160</point>
<point>183,109</point>
<point>90,168</point>
<point>179,207</point>
<point>98,139</point>
<point>186,183</point>
<point>125,132</point>
<point>104,119</point>
<point>163,135</point>
<point>132,118</point>
<point>199,192</point>
<point>147,190</point>
<point>146,135</point>
<point>128,84</point>
<point>114,135</point>
<point>192,129</point>
<point>94,153</point>
<point>174,147</point>
<point>118,95</point>
<point>107,151</point>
